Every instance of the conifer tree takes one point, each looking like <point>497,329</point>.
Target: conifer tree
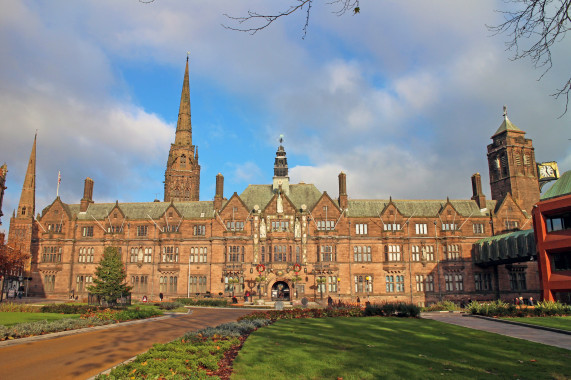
<point>109,281</point>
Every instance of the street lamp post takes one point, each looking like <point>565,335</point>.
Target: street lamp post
<point>368,279</point>
<point>339,289</point>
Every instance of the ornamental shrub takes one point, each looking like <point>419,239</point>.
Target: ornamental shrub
<point>231,329</point>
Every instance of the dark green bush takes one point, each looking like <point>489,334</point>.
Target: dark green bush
<point>399,309</point>
<point>67,308</point>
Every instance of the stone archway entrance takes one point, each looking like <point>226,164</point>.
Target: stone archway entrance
<point>280,291</point>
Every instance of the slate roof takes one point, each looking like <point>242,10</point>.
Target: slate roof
<point>561,187</point>
<point>418,208</point>
<point>142,210</point>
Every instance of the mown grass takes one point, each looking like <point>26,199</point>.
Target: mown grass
<point>11,318</point>
<point>392,348</point>
<point>561,323</point>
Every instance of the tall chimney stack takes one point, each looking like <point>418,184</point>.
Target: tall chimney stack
<point>219,196</point>
<point>87,195</point>
<point>342,190</point>
<point>477,194</point>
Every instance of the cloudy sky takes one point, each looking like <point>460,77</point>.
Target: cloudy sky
<point>403,97</point>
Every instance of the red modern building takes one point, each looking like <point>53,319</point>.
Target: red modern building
<point>552,226</point>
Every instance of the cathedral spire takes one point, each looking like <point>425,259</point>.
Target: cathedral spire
<point>27,205</point>
<point>183,125</point>
<point>182,175</point>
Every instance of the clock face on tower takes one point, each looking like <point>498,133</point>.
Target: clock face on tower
<point>548,171</point>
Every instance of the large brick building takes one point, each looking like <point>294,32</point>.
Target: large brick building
<point>286,240</point>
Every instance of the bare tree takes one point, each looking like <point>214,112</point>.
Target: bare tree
<point>254,21</point>
<point>533,28</point>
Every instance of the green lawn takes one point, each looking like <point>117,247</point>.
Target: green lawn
<point>562,323</point>
<point>10,318</point>
<point>392,348</point>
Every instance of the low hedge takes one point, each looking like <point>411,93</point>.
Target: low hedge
<point>18,307</point>
<point>216,302</point>
<point>443,306</point>
<point>68,308</point>
<point>168,305</point>
<point>399,309</point>
<point>503,309</point>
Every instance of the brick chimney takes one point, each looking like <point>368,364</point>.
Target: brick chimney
<point>477,194</point>
<point>342,190</point>
<point>219,196</point>
<point>87,195</point>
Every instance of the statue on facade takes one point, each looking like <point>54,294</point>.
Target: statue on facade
<point>280,204</point>
<point>297,228</point>
<point>262,229</point>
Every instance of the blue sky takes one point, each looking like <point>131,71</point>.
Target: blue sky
<point>403,97</point>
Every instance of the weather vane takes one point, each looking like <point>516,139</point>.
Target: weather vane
<point>281,139</point>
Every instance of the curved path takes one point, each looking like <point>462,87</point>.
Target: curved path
<point>85,354</point>
<point>516,331</point>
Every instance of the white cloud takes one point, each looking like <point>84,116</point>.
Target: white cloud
<point>403,96</point>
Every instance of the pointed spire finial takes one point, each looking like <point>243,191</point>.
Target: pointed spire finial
<point>505,111</point>
<point>281,139</point>
<point>187,55</point>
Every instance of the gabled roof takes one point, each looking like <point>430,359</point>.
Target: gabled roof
<point>561,187</point>
<point>299,194</point>
<point>188,210</point>
<point>418,208</point>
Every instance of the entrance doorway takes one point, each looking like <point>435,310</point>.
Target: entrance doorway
<point>280,291</point>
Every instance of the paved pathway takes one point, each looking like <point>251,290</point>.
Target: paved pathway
<point>82,355</point>
<point>515,331</point>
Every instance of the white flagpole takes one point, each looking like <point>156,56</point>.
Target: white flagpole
<point>58,182</point>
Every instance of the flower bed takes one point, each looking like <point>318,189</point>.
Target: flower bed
<point>91,318</point>
<point>197,355</point>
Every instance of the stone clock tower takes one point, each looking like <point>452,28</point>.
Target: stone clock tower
<point>182,176</point>
<point>513,170</point>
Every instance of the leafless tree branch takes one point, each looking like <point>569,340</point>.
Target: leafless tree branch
<point>261,21</point>
<point>533,30</point>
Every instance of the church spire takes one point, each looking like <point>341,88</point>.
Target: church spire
<point>183,125</point>
<point>27,205</point>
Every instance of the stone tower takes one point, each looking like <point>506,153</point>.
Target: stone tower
<point>511,161</point>
<point>281,176</point>
<point>23,229</point>
<point>182,175</point>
